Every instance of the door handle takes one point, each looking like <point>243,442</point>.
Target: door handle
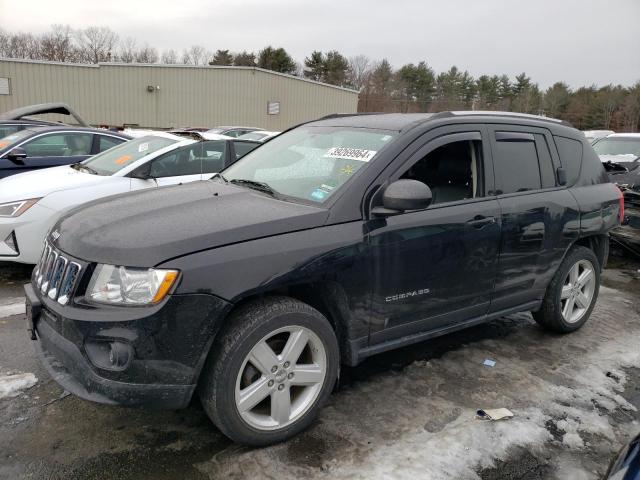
<point>480,221</point>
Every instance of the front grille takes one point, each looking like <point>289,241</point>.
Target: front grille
<point>56,275</point>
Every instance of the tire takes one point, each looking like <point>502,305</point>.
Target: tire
<point>554,314</point>
<point>303,346</point>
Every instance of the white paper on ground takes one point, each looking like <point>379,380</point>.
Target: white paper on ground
<point>494,414</point>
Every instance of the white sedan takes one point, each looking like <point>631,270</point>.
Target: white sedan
<point>31,202</point>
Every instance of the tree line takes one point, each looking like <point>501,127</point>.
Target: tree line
<point>410,88</point>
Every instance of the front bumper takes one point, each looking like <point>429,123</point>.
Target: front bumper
<point>169,344</point>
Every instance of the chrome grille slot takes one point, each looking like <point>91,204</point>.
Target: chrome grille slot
<point>68,283</point>
<point>56,276</point>
<point>46,280</point>
<point>42,265</point>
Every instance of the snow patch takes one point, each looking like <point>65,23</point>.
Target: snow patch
<point>12,385</point>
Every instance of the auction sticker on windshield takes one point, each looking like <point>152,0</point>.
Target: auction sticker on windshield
<point>350,153</point>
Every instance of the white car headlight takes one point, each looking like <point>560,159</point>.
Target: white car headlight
<point>17,208</point>
<point>130,286</point>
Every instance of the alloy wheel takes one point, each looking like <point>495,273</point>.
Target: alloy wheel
<point>281,378</point>
<point>577,291</point>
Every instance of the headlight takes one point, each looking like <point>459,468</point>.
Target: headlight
<point>130,286</point>
<point>17,208</point>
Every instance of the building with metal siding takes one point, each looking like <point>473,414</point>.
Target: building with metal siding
<point>167,96</point>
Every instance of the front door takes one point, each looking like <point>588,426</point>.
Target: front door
<point>51,150</point>
<point>436,267</point>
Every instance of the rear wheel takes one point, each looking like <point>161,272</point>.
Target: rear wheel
<point>572,293</point>
<point>274,367</point>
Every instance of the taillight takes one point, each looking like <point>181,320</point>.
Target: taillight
<point>621,200</point>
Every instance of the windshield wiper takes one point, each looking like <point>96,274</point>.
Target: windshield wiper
<point>82,166</point>
<point>260,186</point>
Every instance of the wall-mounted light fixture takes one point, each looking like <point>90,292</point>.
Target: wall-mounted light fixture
<point>151,88</point>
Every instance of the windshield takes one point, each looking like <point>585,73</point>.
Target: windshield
<point>310,163</point>
<point>215,130</point>
<point>117,158</point>
<point>618,146</point>
<point>14,138</point>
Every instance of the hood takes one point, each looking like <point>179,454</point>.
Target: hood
<point>145,228</point>
<point>39,183</point>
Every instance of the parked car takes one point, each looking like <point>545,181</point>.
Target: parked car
<point>260,135</point>
<point>337,240</point>
<point>595,135</point>
<point>20,118</point>
<point>49,146</point>
<point>232,131</point>
<point>31,202</point>
<point>620,154</point>
<point>627,465</point>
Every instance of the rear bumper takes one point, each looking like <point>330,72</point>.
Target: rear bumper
<point>163,370</point>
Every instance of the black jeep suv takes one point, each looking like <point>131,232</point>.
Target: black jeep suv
<point>339,239</point>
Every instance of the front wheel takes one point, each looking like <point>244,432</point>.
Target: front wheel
<point>271,371</point>
<point>572,293</point>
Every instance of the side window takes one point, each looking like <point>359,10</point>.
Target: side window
<point>516,162</point>
<point>452,171</point>
<point>242,148</point>
<point>183,161</point>
<point>6,130</point>
<point>213,156</point>
<point>570,152</point>
<point>105,143</point>
<point>59,145</point>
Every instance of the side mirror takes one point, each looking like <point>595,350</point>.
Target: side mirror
<point>561,173</point>
<point>404,195</point>
<point>142,173</point>
<point>16,155</point>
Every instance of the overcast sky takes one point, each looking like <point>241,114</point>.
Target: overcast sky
<point>581,42</point>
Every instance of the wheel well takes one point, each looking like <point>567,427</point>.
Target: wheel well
<point>326,297</point>
<point>599,244</point>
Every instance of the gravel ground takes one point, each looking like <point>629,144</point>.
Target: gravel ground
<point>404,414</point>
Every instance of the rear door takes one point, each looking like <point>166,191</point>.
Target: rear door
<point>539,218</point>
<point>436,267</point>
<point>54,149</point>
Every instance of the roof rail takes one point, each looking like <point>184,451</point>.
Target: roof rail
<point>340,115</point>
<point>511,114</point>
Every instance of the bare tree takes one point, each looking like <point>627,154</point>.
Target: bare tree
<point>23,45</point>
<point>97,44</point>
<point>4,43</point>
<point>359,71</point>
<point>147,54</point>
<point>57,45</point>
<point>127,53</point>
<point>169,57</point>
<point>196,55</point>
